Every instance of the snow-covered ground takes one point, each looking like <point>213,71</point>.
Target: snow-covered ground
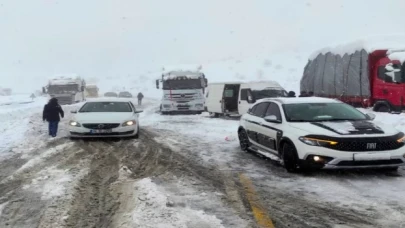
<point>214,142</point>
<point>52,174</point>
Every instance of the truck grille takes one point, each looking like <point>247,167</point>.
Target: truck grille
<point>101,126</point>
<point>365,144</point>
<point>65,100</point>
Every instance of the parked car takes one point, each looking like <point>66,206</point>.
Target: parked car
<point>320,133</point>
<point>125,94</point>
<point>235,98</point>
<point>107,117</point>
<point>110,94</point>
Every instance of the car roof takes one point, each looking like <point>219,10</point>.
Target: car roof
<point>108,99</point>
<point>299,100</point>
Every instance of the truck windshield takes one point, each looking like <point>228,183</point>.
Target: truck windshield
<point>182,84</point>
<point>260,94</point>
<point>60,89</point>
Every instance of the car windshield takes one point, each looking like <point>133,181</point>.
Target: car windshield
<point>315,112</point>
<point>106,107</point>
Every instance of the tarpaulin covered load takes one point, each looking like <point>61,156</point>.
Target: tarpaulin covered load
<point>333,75</point>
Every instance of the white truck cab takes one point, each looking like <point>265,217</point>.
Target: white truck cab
<point>67,88</point>
<point>183,90</point>
<point>235,98</point>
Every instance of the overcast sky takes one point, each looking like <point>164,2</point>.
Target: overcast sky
<point>94,38</point>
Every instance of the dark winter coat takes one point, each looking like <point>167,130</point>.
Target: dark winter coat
<point>140,96</point>
<point>52,111</point>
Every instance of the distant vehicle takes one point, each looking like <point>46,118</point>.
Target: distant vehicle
<point>125,94</point>
<point>105,117</point>
<point>235,98</point>
<point>183,90</point>
<point>68,89</point>
<point>5,91</point>
<point>110,94</point>
<point>320,133</point>
<point>361,76</point>
<point>91,91</point>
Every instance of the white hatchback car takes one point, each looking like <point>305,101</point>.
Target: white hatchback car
<point>107,117</point>
<point>314,132</point>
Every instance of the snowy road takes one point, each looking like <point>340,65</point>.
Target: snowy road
<point>184,171</point>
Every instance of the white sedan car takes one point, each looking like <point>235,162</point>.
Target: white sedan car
<point>320,133</point>
<point>108,117</point>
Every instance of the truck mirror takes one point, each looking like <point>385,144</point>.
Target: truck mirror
<point>206,82</point>
<point>157,84</point>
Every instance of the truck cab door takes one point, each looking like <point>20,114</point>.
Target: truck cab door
<point>389,85</point>
<point>246,100</point>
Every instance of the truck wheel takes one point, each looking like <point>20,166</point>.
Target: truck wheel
<point>382,108</point>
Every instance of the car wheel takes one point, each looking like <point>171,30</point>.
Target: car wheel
<point>290,158</point>
<point>137,134</point>
<point>212,114</point>
<point>243,140</point>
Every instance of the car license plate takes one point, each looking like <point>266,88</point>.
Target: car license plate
<point>371,156</point>
<point>103,131</point>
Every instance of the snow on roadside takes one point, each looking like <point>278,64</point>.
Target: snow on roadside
<point>15,122</point>
<point>153,209</point>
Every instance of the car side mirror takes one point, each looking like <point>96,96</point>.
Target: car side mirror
<point>272,119</point>
<point>138,111</point>
<point>249,110</point>
<point>371,116</point>
<point>73,111</point>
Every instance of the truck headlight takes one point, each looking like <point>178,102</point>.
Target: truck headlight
<point>74,124</point>
<point>317,142</point>
<point>129,123</point>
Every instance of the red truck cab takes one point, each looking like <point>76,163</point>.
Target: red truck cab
<point>387,82</point>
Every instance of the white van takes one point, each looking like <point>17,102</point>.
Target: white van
<point>235,98</point>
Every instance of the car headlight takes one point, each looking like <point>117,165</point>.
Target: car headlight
<point>74,124</point>
<point>317,142</point>
<point>129,123</point>
<point>401,140</point>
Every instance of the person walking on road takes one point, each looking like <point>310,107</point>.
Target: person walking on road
<point>52,113</point>
<point>140,97</point>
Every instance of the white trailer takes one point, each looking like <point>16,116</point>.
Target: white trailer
<point>183,90</point>
<point>68,89</point>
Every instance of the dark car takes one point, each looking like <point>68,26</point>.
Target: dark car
<point>125,94</point>
<point>111,94</point>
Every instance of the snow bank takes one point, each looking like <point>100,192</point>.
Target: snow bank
<point>369,44</point>
<point>153,210</point>
<point>184,67</point>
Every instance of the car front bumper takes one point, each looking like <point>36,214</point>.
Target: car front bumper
<point>119,132</point>
<point>333,159</point>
